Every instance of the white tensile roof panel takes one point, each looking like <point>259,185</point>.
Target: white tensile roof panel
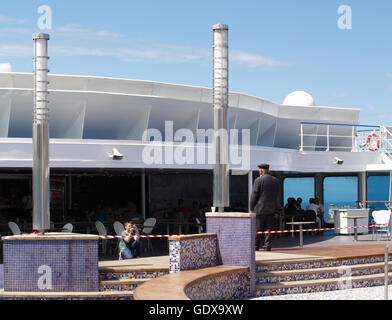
<point>83,107</point>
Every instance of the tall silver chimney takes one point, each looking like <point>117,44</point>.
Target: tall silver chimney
<point>41,199</point>
<point>221,188</point>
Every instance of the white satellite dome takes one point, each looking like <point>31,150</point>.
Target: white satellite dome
<point>299,98</point>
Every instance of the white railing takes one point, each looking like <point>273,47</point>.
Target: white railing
<point>344,137</point>
<point>386,140</point>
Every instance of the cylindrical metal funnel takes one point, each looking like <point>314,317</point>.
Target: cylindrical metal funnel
<point>41,199</point>
<point>220,103</point>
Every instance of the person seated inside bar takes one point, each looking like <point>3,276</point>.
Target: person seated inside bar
<point>131,213</point>
<point>103,213</point>
<point>181,214</point>
<point>290,209</point>
<point>312,212</point>
<point>298,204</point>
<point>196,212</point>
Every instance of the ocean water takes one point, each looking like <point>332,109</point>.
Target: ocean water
<point>339,192</point>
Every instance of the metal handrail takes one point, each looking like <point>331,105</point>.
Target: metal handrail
<point>341,124</point>
<point>354,135</point>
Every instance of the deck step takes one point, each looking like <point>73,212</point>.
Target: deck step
<point>130,274</point>
<point>121,285</point>
<point>319,285</point>
<point>106,295</point>
<point>321,273</point>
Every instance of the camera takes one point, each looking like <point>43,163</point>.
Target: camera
<point>338,161</point>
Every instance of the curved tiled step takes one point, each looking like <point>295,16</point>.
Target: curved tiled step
<point>315,263</point>
<point>122,284</point>
<point>131,273</point>
<point>107,295</point>
<point>127,278</point>
<point>319,285</point>
<point>321,273</point>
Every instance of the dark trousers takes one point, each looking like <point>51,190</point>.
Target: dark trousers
<point>133,251</point>
<point>264,222</point>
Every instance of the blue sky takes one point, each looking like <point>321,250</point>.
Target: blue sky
<point>276,46</point>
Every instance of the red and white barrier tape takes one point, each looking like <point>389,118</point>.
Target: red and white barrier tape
<point>102,237</point>
<point>141,236</point>
<point>263,232</point>
<point>322,229</point>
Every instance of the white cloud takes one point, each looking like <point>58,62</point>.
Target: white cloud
<point>5,67</point>
<point>370,107</point>
<point>83,41</point>
<point>389,75</point>
<point>83,32</point>
<point>256,60</point>
<point>15,50</point>
<point>339,94</point>
<point>166,54</point>
<point>5,19</point>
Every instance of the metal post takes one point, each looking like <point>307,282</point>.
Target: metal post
<point>250,187</point>
<point>355,230</point>
<point>302,138</point>
<point>301,236</point>
<point>220,103</point>
<point>390,186</point>
<point>386,258</point>
<point>327,138</point>
<point>353,138</point>
<point>41,214</point>
<point>143,199</point>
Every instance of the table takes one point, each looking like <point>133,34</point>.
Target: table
<point>292,216</point>
<point>300,224</point>
<point>355,224</point>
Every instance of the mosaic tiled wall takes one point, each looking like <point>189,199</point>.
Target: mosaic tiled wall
<point>236,240</point>
<point>192,252</point>
<point>227,287</point>
<point>51,266</point>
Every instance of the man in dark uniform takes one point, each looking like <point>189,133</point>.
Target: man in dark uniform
<point>264,202</point>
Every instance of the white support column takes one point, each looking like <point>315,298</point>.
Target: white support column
<point>250,187</point>
<point>318,181</point>
<point>390,186</point>
<point>140,125</point>
<point>75,128</point>
<point>5,113</point>
<point>255,132</point>
<point>143,200</point>
<point>362,186</point>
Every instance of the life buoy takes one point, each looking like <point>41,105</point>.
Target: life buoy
<point>373,147</point>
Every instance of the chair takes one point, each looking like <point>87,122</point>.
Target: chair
<point>381,220</point>
<point>148,226</point>
<point>102,232</point>
<point>14,228</point>
<point>118,228</point>
<point>68,228</point>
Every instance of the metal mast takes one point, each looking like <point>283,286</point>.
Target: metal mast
<point>220,103</point>
<point>41,199</point>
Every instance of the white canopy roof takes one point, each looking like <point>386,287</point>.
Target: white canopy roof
<point>89,116</point>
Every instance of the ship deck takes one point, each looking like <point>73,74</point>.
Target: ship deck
<point>284,248</point>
